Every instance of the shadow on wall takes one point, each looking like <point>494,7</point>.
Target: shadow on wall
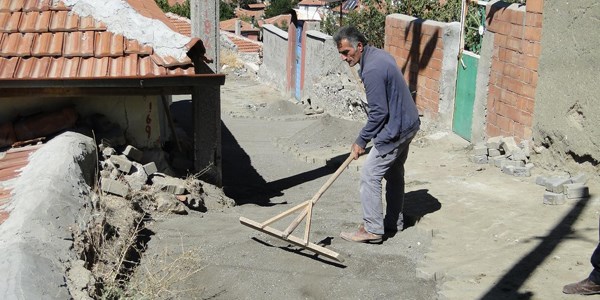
<point>414,62</point>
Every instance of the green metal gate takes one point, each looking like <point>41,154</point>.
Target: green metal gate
<point>462,120</point>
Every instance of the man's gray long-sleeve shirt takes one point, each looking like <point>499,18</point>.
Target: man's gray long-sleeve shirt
<point>393,115</point>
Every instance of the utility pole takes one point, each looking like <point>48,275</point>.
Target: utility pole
<point>204,15</point>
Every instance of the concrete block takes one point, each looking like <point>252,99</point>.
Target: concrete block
<point>114,187</point>
<point>494,142</point>
<point>169,184</point>
<point>513,163</point>
<point>523,171</point>
<point>509,145</point>
<point>518,154</point>
<point>541,180</point>
<point>525,145</point>
<point>580,178</point>
<point>480,149</point>
<point>498,160</point>
<point>554,198</point>
<point>479,159</point>
<point>494,152</point>
<point>133,153</point>
<point>138,177</point>
<point>108,152</point>
<point>556,184</point>
<point>576,191</point>
<point>510,170</point>
<point>121,163</point>
<point>150,168</point>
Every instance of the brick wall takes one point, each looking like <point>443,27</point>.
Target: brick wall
<point>514,72</point>
<point>418,48</point>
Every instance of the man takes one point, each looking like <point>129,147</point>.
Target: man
<point>393,121</point>
<point>590,285</point>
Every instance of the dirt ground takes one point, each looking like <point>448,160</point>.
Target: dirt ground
<point>475,233</point>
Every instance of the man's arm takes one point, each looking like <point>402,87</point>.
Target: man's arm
<point>374,82</point>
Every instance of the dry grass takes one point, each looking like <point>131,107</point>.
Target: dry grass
<point>231,59</point>
<point>165,275</point>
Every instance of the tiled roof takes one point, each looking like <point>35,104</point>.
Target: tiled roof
<point>257,14</point>
<point>312,3</point>
<point>229,25</point>
<point>243,44</point>
<point>11,164</point>
<point>256,6</point>
<point>182,24</point>
<point>43,39</point>
<point>277,20</point>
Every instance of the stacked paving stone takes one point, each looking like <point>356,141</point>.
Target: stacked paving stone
<point>123,175</point>
<point>561,188</point>
<point>506,154</point>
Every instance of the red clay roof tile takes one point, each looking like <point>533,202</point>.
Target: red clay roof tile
<point>40,67</point>
<point>45,39</point>
<point>71,67</point>
<point>56,67</point>
<point>25,43</point>
<point>13,22</point>
<point>8,67</point>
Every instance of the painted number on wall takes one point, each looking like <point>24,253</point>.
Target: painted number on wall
<point>149,120</point>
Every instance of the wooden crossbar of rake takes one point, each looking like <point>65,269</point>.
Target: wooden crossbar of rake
<point>305,209</point>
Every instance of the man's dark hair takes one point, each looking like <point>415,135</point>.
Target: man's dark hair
<point>351,34</point>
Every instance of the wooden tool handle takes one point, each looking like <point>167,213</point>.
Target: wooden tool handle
<point>331,179</point>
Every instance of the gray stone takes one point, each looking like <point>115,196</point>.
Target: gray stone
<point>513,163</point>
<point>494,152</point>
<point>580,178</point>
<point>541,180</point>
<point>525,145</point>
<point>121,162</point>
<point>479,159</point>
<point>114,187</point>
<point>554,198</point>
<point>556,184</point>
<point>133,153</point>
<point>510,170</point>
<point>150,168</point>
<point>518,154</point>
<point>138,178</point>
<point>108,152</point>
<point>166,202</point>
<point>523,171</point>
<point>494,142</point>
<point>499,160</point>
<point>576,191</point>
<point>171,185</point>
<point>480,149</point>
<point>509,145</point>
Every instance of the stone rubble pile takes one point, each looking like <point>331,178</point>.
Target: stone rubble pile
<point>123,174</point>
<point>513,159</point>
<point>506,154</point>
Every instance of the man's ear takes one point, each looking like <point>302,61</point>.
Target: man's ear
<point>360,46</point>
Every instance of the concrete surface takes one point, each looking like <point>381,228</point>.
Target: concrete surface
<point>478,233</point>
<point>35,241</point>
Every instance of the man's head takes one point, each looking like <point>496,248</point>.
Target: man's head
<point>350,43</point>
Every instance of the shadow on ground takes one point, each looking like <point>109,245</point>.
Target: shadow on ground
<point>243,183</point>
<point>417,204</point>
<point>508,286</point>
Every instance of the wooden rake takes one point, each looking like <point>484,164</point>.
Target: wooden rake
<point>305,209</point>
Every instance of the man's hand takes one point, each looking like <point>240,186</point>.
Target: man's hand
<point>357,151</point>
